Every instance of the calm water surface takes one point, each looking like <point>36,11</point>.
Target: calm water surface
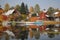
<point>39,36</point>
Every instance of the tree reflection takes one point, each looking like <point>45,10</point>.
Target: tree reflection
<point>23,33</point>
<point>31,33</point>
<point>52,34</point>
<point>36,34</point>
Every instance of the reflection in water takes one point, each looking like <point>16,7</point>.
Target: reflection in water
<point>51,35</point>
<point>47,35</point>
<point>31,34</point>
<point>36,35</point>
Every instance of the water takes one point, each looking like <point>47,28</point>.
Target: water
<point>45,37</point>
<point>37,35</point>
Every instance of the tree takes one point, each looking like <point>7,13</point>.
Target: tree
<point>37,8</point>
<point>17,7</point>
<point>26,8</point>
<point>7,7</point>
<point>50,11</point>
<point>12,8</point>
<point>22,9</point>
<point>31,9</point>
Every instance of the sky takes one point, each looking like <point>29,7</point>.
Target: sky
<point>44,4</point>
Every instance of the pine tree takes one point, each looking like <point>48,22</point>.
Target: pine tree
<point>22,9</point>
<point>26,8</point>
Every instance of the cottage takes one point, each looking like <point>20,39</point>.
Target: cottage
<point>42,16</point>
<point>12,14</point>
<point>57,18</point>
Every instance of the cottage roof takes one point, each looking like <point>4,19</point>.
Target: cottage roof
<point>56,12</point>
<point>9,12</point>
